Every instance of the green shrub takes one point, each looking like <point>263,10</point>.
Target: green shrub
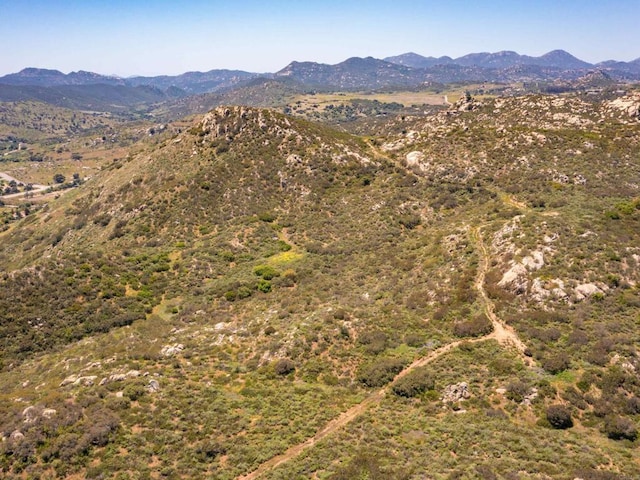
<point>626,208</point>
<point>414,340</point>
<point>266,272</point>
<point>283,246</point>
<point>380,372</point>
<point>373,341</point>
<point>620,428</point>
<point>244,292</point>
<point>476,327</point>
<point>517,390</point>
<point>134,391</point>
<point>556,363</point>
<point>364,466</point>
<point>266,217</point>
<point>284,366</point>
<point>575,398</point>
<point>413,384</point>
<point>409,221</point>
<point>559,417</point>
<point>263,286</point>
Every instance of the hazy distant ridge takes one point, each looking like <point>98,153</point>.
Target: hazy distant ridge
<point>503,59</point>
<point>369,70</point>
<point>87,90</point>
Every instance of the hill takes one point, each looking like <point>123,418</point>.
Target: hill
<point>196,82</point>
<point>257,295</point>
<point>41,77</point>
<point>191,82</point>
<point>414,60</point>
<point>259,92</point>
<point>354,73</point>
<point>94,97</point>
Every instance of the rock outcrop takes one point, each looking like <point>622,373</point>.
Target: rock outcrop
<point>456,393</point>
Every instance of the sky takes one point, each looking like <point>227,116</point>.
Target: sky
<point>162,37</point>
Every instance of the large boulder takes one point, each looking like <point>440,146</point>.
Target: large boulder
<point>456,393</point>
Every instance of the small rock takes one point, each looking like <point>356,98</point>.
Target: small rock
<point>120,377</point>
<point>530,397</point>
<point>30,414</point>
<point>586,290</point>
<point>171,350</point>
<point>154,386</point>
<point>629,367</point>
<point>535,261</point>
<point>49,412</point>
<point>86,381</point>
<point>16,435</point>
<point>68,381</point>
<point>415,159</point>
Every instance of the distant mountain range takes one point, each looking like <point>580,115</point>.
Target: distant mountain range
<point>190,82</point>
<point>409,70</point>
<point>506,59</point>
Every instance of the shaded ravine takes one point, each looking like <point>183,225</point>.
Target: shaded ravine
<point>502,333</point>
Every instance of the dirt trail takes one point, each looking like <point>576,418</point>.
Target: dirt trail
<point>351,414</point>
<point>502,333</point>
<point>36,188</point>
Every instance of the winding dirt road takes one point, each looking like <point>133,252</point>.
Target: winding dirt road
<point>36,187</point>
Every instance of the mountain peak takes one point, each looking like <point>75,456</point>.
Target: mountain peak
<point>561,59</point>
<point>38,71</point>
<point>558,52</point>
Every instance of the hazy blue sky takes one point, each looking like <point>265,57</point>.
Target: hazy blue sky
<point>142,37</point>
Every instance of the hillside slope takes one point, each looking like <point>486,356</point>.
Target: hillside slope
<point>260,296</point>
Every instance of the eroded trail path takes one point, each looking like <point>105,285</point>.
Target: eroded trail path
<point>351,414</point>
<point>502,333</point>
